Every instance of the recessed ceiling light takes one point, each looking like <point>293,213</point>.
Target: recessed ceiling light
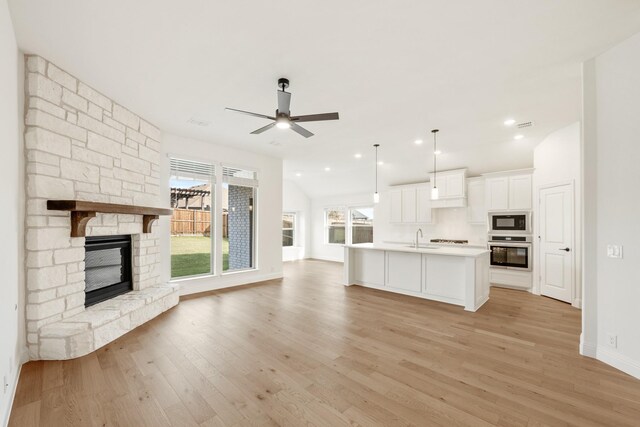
<point>381,163</point>
<point>357,155</point>
<point>298,174</point>
<point>418,141</point>
<point>327,169</point>
<point>437,152</point>
<point>517,137</point>
<point>509,122</point>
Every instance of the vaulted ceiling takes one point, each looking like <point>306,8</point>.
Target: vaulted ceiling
<point>393,70</point>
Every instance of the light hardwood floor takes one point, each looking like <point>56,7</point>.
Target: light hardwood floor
<point>307,351</point>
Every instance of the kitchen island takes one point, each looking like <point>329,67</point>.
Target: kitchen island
<point>451,274</point>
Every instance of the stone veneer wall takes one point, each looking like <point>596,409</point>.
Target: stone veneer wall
<point>239,227</point>
<point>81,145</point>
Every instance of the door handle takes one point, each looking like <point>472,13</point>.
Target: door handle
<point>565,249</point>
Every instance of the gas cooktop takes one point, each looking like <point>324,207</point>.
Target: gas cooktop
<point>450,241</point>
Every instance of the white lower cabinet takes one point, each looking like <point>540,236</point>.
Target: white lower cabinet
<point>442,272</point>
<point>404,271</point>
<point>368,267</point>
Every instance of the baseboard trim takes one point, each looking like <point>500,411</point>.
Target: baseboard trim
<point>586,348</point>
<point>618,361</point>
<point>13,390</point>
<point>214,283</point>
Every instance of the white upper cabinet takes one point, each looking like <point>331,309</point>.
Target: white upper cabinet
<point>423,199</point>
<point>455,185</point>
<point>395,200</point>
<point>476,202</point>
<point>411,204</point>
<point>520,192</point>
<point>451,184</point>
<point>508,191</point>
<point>497,193</point>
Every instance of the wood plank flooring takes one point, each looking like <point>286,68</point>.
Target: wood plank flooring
<point>307,351</point>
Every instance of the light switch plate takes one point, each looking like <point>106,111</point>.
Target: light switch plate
<point>614,251</point>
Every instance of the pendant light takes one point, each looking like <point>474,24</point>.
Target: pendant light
<point>376,196</point>
<point>434,189</point>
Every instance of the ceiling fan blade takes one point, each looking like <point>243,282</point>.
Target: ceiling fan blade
<point>248,113</point>
<point>264,128</point>
<point>316,117</point>
<point>284,102</point>
<point>302,131</point>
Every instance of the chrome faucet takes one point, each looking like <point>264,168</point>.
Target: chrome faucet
<point>419,231</point>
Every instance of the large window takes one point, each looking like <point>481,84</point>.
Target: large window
<point>288,229</point>
<point>192,190</point>
<point>239,190</point>
<point>335,226</point>
<point>361,225</point>
<point>358,228</point>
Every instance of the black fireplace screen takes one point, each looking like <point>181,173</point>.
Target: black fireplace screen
<point>107,268</point>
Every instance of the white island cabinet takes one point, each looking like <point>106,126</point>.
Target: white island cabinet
<point>455,275</point>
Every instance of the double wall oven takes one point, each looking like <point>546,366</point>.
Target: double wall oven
<point>510,240</point>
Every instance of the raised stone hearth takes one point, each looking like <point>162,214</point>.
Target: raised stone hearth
<point>80,145</point>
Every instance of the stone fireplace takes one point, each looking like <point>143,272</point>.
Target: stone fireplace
<point>81,145</point>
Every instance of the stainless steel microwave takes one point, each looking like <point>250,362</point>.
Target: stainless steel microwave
<point>510,222</point>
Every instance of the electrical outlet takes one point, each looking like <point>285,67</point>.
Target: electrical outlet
<point>614,251</point>
<point>612,340</point>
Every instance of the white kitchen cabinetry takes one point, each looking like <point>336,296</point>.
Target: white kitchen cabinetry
<point>451,184</point>
<point>423,205</point>
<point>520,192</point>
<point>476,203</point>
<point>508,191</point>
<point>411,204</point>
<point>404,271</point>
<point>395,199</point>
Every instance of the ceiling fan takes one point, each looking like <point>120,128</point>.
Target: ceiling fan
<point>283,118</point>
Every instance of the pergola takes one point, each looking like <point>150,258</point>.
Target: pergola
<point>178,194</point>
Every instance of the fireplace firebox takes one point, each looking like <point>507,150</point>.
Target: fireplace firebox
<point>107,268</point>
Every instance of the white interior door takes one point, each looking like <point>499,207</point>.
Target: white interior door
<point>557,262</point>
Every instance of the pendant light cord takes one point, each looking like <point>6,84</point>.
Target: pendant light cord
<point>376,145</point>
<point>434,131</point>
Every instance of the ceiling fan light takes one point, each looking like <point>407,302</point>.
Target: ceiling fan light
<point>282,123</point>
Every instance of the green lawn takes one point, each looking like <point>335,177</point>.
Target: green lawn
<point>191,255</point>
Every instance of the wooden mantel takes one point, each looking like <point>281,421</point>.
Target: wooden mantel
<point>82,211</point>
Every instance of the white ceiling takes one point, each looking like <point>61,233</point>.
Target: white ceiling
<point>392,69</point>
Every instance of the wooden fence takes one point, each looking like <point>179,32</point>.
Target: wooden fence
<point>195,223</point>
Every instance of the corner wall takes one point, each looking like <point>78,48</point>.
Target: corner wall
<point>611,174</point>
<point>12,337</point>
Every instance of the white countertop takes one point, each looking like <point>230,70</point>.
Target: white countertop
<point>463,251</point>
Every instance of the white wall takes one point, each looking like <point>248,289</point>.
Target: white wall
<point>269,211</point>
<point>556,160</point>
<point>295,200</point>
<point>325,251</point>
<point>12,340</point>
<point>610,161</point>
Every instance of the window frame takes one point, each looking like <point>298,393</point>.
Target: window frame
<point>348,225</point>
<point>213,221</point>
<point>294,227</point>
<point>248,183</point>
<point>326,224</point>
